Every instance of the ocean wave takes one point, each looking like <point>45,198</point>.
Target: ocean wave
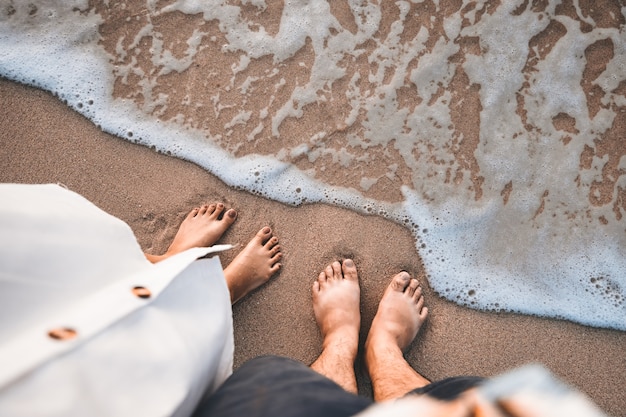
<point>494,132</point>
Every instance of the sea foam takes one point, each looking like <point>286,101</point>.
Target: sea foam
<point>515,222</point>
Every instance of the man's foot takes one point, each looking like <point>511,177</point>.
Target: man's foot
<point>400,315</point>
<point>202,227</point>
<point>254,265</point>
<point>336,298</point>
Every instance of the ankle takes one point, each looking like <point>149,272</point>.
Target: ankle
<point>380,350</point>
<point>379,338</point>
<point>344,343</point>
<point>336,362</point>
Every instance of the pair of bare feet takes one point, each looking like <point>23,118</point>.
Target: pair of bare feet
<point>400,314</point>
<point>251,268</point>
<point>336,298</point>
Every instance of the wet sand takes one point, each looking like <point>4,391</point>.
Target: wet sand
<point>42,141</point>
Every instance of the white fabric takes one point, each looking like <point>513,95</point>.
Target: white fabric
<point>66,263</point>
<point>530,390</point>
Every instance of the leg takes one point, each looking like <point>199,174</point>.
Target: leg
<point>201,228</point>
<point>400,315</point>
<point>254,265</point>
<point>336,295</point>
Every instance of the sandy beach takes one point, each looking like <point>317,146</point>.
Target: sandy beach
<point>42,141</point>
<point>378,106</point>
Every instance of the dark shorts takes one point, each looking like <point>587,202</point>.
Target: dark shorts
<point>281,387</point>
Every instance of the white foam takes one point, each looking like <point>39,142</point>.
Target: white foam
<point>557,261</point>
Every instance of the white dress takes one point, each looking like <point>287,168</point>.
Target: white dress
<point>89,327</point>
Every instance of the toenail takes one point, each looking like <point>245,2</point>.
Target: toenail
<point>266,230</point>
<point>348,263</point>
<point>232,214</point>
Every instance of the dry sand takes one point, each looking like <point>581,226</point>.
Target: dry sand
<point>42,141</point>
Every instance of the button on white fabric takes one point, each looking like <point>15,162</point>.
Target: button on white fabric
<point>62,333</point>
<point>141,292</point>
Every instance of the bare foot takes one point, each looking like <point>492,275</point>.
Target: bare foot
<point>401,312</point>
<point>400,315</point>
<point>336,297</point>
<point>202,227</point>
<point>254,265</point>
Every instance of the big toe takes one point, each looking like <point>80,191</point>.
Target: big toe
<point>263,235</point>
<point>349,270</point>
<point>400,282</point>
<point>230,216</point>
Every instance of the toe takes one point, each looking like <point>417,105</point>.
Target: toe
<point>215,210</point>
<point>349,270</point>
<point>400,281</point>
<point>231,216</point>
<point>271,243</point>
<point>420,303</point>
<point>321,278</point>
<point>275,250</point>
<point>329,272</point>
<point>276,257</point>
<point>410,290</point>
<point>424,313</point>
<point>275,268</point>
<point>336,267</point>
<point>204,209</point>
<point>193,213</point>
<point>263,235</point>
<point>316,287</point>
<point>418,293</point>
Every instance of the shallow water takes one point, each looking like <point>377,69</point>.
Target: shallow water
<point>495,132</point>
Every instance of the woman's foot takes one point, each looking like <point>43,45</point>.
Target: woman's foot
<point>400,315</point>
<point>336,299</point>
<point>254,265</point>
<point>202,227</point>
